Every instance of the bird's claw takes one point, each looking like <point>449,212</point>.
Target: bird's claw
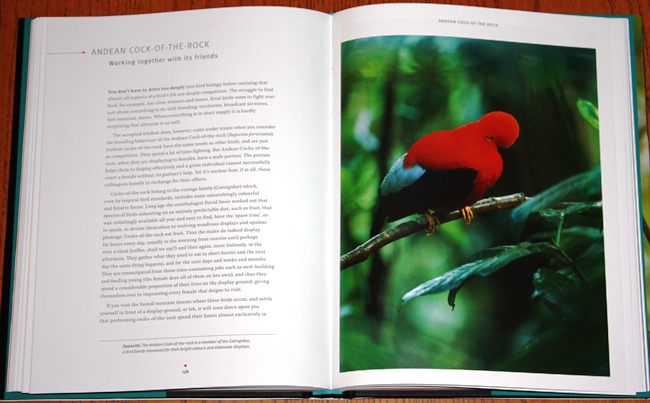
<point>467,213</point>
<point>433,221</point>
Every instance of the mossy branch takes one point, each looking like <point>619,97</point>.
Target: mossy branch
<point>362,252</point>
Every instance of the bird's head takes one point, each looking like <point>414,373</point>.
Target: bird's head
<point>500,127</point>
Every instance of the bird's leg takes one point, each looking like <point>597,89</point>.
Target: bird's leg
<point>467,213</point>
<point>433,221</point>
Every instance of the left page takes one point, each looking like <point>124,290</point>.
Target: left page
<point>173,203</point>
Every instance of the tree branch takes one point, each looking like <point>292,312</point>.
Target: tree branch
<point>362,252</point>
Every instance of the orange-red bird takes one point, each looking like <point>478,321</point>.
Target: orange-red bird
<point>446,170</point>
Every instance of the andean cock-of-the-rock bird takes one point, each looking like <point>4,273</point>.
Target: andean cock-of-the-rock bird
<point>446,170</point>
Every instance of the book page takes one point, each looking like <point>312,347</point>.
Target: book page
<point>182,207</point>
<point>463,307</point>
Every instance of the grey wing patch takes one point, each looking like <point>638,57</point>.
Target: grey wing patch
<point>399,177</point>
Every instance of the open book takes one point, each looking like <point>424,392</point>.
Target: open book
<point>191,182</point>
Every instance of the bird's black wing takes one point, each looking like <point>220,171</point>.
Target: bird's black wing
<point>441,191</point>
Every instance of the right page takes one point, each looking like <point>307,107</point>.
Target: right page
<point>543,290</point>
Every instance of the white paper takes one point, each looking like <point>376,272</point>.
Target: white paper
<point>109,83</point>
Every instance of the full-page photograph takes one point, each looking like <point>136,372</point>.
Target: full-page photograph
<point>519,289</point>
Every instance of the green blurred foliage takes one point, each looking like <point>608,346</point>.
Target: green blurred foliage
<point>509,314</point>
<point>644,137</point>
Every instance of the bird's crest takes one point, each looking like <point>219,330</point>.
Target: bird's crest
<point>502,127</point>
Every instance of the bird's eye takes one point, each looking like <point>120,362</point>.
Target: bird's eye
<point>488,138</point>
